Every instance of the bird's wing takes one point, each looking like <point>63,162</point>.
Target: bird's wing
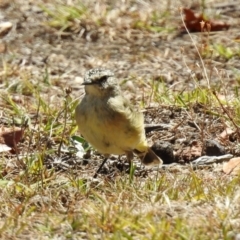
<point>131,122</point>
<point>122,106</point>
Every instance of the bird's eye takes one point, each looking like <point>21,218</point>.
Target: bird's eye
<point>102,79</point>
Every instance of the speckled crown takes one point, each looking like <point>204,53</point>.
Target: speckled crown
<point>97,73</point>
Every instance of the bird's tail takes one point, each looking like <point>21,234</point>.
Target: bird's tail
<point>149,158</point>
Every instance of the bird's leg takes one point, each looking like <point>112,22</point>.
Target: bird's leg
<point>129,157</point>
<point>100,167</point>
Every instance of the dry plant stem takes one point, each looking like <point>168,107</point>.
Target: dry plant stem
<point>35,124</point>
<point>31,137</point>
<point>64,126</point>
<point>229,116</point>
<point>200,128</point>
<point>194,44</point>
<point>14,142</point>
<point>151,94</point>
<point>177,126</point>
<point>206,46</point>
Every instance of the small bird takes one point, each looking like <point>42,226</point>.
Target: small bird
<point>108,122</point>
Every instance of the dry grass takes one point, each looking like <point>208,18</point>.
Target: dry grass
<point>177,205</point>
<point>48,193</point>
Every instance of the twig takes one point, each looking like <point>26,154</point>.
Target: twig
<point>229,116</point>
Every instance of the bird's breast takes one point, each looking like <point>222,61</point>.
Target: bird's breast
<point>107,127</point>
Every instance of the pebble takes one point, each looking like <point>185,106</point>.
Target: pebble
<point>164,150</point>
<point>5,27</point>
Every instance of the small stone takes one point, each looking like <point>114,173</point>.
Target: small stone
<point>213,148</point>
<point>5,27</point>
<point>164,150</point>
<point>36,9</point>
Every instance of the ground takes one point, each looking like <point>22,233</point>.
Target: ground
<point>185,83</point>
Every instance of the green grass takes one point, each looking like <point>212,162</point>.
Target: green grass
<point>77,17</point>
<point>65,17</point>
<point>226,53</point>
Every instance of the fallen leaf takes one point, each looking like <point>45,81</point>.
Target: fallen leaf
<point>9,138</point>
<point>194,21</point>
<point>232,166</point>
<point>225,134</point>
<point>237,39</point>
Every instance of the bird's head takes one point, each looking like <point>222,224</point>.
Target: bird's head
<point>100,82</point>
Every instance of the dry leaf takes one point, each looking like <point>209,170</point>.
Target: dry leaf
<point>9,137</point>
<point>237,39</point>
<point>193,20</point>
<point>225,134</point>
<point>232,166</point>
